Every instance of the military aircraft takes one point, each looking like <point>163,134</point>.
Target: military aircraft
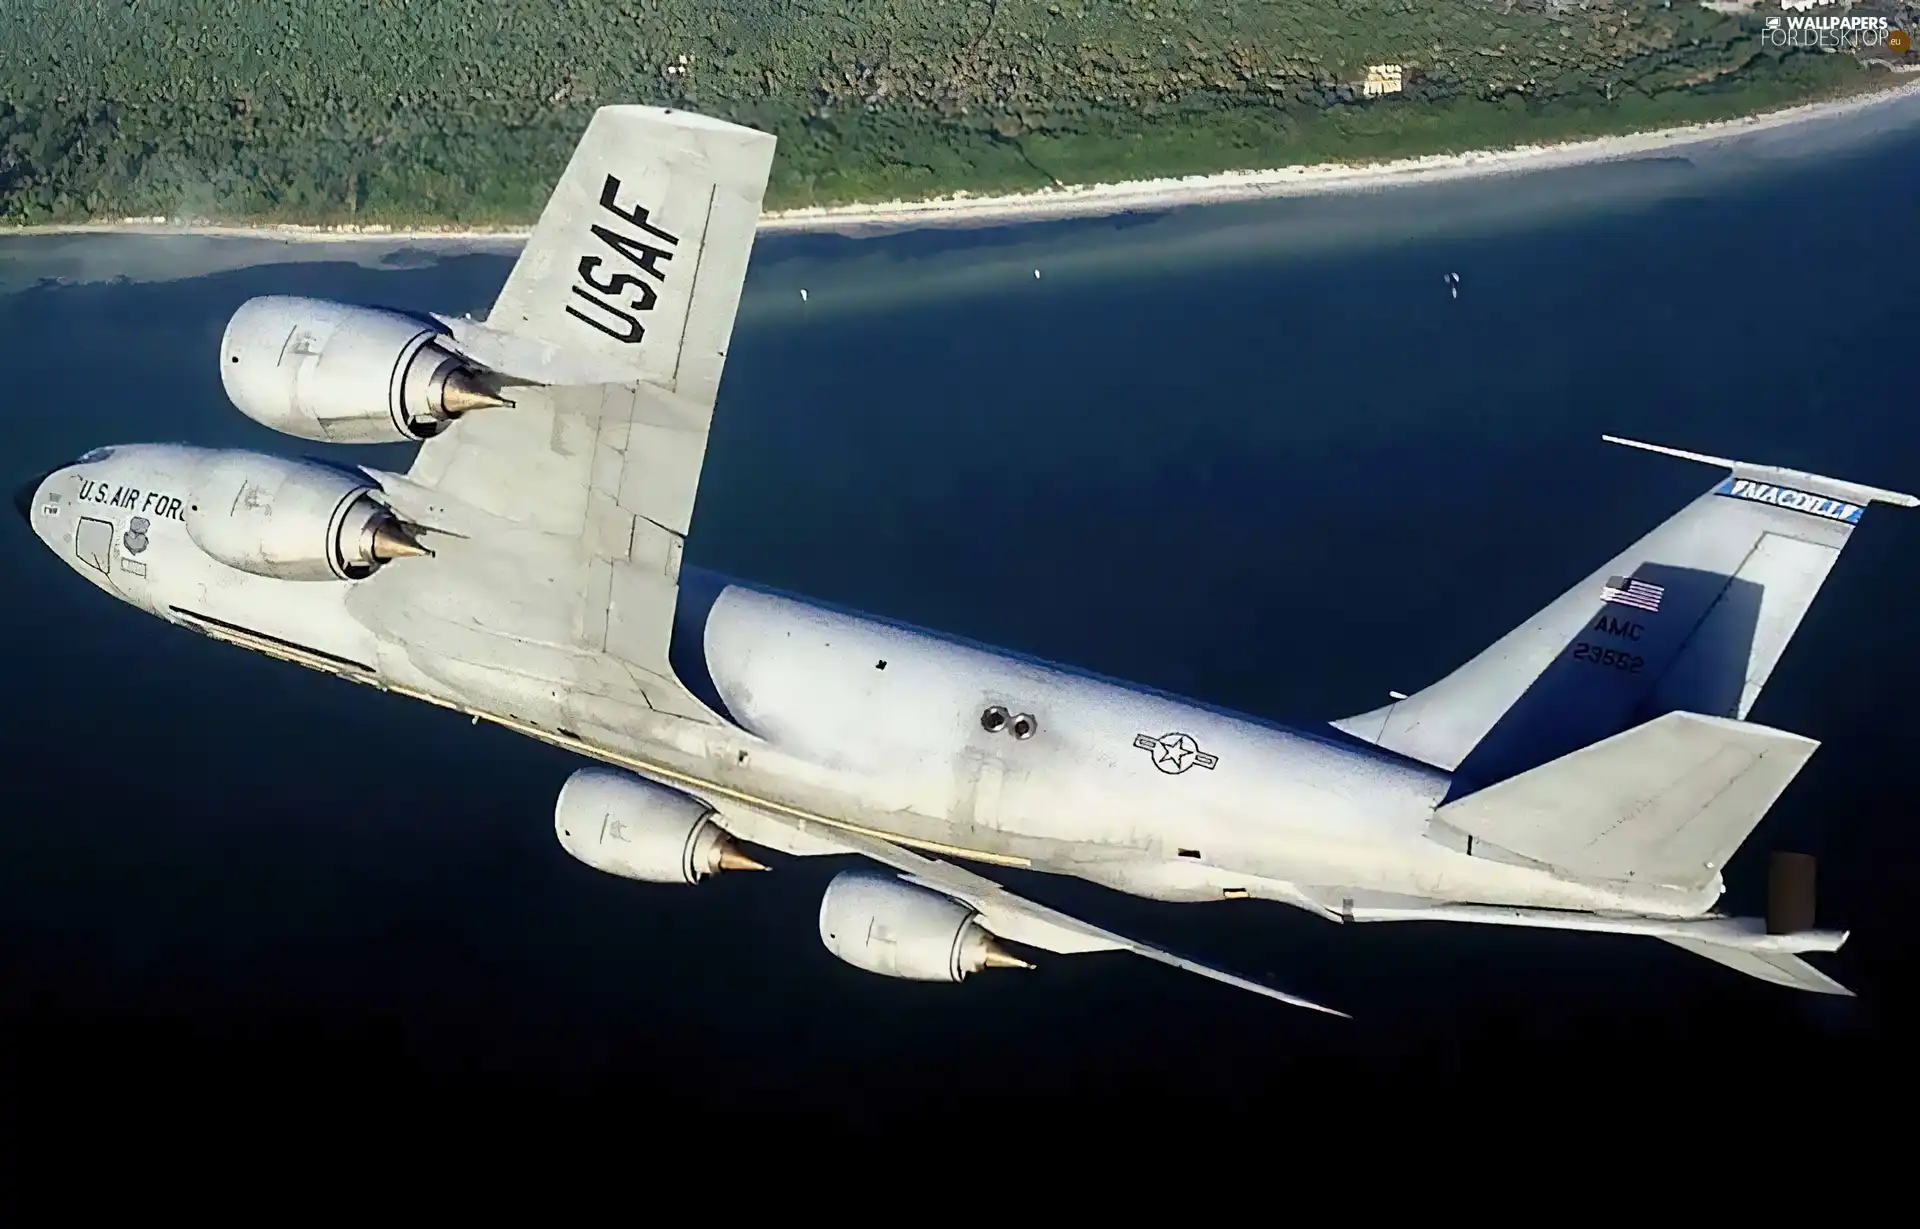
<point>1591,770</point>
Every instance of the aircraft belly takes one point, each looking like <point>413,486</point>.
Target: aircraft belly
<point>278,617</point>
<point>1429,870</point>
<point>306,620</point>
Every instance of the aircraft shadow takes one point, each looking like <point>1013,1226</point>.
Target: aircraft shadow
<point>1624,668</point>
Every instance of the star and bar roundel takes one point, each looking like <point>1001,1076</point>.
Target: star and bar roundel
<point>1175,753</point>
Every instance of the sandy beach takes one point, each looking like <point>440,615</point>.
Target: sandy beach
<point>1102,199</point>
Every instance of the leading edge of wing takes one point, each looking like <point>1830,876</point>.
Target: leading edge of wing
<point>1020,920</point>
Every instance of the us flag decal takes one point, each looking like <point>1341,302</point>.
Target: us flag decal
<point>1626,591</point>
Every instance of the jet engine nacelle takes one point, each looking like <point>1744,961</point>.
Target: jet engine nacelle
<point>894,928</point>
<point>344,374</point>
<point>293,520</point>
<point>629,826</point>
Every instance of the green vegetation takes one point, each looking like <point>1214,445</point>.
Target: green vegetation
<point>464,111</point>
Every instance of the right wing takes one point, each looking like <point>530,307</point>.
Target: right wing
<point>1014,917</point>
<point>1666,802</point>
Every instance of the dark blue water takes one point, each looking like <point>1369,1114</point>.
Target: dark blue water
<point>1255,454</point>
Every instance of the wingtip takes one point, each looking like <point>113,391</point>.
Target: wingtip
<point>1296,1001</point>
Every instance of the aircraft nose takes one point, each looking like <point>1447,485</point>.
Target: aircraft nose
<point>28,492</point>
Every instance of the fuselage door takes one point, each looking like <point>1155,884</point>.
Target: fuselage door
<point>93,549</point>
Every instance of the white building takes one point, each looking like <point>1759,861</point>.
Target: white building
<point>1383,79</point>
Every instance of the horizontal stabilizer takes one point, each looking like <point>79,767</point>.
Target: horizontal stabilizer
<point>1745,944</point>
<point>1667,802</point>
<point>1744,933</point>
<point>1780,968</point>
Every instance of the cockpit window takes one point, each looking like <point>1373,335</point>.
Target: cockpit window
<point>94,454</point>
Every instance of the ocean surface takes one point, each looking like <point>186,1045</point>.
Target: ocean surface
<point>1255,454</point>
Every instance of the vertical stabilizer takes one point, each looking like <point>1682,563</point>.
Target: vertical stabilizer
<point>1691,618</point>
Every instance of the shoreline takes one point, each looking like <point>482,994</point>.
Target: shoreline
<point>1091,200</point>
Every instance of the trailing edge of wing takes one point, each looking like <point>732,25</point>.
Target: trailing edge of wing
<point>1035,925</point>
<point>1191,966</point>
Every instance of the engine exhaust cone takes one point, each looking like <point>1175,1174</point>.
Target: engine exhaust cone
<point>997,957</point>
<point>463,391</point>
<point>393,540</point>
<point>732,859</point>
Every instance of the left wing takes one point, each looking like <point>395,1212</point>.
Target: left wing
<point>564,514</point>
<point>1016,918</point>
<point>612,328</point>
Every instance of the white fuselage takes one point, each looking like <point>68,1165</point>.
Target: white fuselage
<point>851,721</point>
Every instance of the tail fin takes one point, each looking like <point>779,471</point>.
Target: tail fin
<point>1667,802</point>
<point>1691,618</point>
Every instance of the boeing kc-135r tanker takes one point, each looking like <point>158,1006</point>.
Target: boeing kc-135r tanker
<point>1592,770</point>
